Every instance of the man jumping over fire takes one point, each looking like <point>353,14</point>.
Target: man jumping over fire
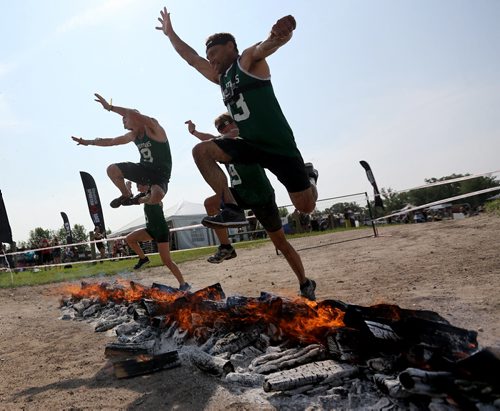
<point>156,162</point>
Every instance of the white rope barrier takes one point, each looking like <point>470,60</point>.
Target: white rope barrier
<point>453,180</point>
<point>445,200</point>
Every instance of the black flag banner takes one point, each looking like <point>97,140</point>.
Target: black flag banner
<point>93,201</point>
<point>5,231</point>
<point>371,179</point>
<point>67,227</point>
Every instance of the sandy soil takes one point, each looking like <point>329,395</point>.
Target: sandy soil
<point>452,267</point>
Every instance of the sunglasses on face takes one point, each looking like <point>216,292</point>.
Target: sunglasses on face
<point>223,125</point>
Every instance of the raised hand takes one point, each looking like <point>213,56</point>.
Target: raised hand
<point>101,100</point>
<point>191,126</point>
<point>284,27</point>
<point>166,24</point>
<point>80,141</point>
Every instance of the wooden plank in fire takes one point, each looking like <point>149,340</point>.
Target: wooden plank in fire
<point>312,373</point>
<point>236,341</point>
<point>210,363</point>
<point>205,296</point>
<point>146,364</point>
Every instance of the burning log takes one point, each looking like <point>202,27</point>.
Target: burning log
<point>164,288</point>
<point>347,344</point>
<point>312,373</point>
<point>146,364</point>
<point>297,357</point>
<point>210,363</point>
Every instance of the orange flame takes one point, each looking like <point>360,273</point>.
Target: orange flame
<point>300,319</point>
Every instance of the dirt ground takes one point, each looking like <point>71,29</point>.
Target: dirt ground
<point>451,267</point>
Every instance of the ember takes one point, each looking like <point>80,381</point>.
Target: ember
<point>391,357</point>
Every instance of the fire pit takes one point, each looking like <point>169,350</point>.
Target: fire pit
<point>337,354</point>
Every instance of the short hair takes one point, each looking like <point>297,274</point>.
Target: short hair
<point>220,38</point>
<point>222,118</point>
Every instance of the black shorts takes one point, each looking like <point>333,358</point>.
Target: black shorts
<point>100,245</point>
<point>163,237</point>
<point>267,214</point>
<point>290,171</point>
<point>138,173</point>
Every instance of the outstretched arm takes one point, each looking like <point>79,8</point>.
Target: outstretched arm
<point>198,134</point>
<point>281,33</point>
<point>155,130</point>
<point>105,142</point>
<point>184,50</point>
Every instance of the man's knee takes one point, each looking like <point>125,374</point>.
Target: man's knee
<point>209,150</point>
<point>156,195</point>
<point>114,171</point>
<point>304,201</point>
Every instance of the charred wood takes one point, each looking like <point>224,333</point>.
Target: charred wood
<point>122,351</point>
<point>210,363</point>
<point>307,354</point>
<point>483,365</point>
<point>247,379</point>
<point>164,288</point>
<point>429,383</point>
<point>390,386</point>
<point>235,342</point>
<point>109,324</point>
<point>312,373</point>
<point>348,344</point>
<point>146,364</point>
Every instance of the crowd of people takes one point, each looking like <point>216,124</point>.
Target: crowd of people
<point>253,135</point>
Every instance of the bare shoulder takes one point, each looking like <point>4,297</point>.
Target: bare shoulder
<point>254,62</point>
<point>155,130</point>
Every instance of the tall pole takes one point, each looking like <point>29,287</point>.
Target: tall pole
<point>375,233</point>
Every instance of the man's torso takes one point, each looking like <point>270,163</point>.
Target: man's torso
<point>253,105</point>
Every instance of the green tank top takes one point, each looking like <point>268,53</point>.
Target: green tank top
<point>155,219</point>
<point>253,105</point>
<point>155,155</point>
<point>251,185</point>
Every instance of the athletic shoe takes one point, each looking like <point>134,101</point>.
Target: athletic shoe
<point>221,255</point>
<point>133,200</point>
<point>228,217</point>
<point>312,173</point>
<point>185,287</point>
<point>117,202</point>
<point>141,262</point>
<point>307,290</point>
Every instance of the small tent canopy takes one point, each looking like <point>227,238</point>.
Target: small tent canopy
<point>179,215</point>
<point>439,207</point>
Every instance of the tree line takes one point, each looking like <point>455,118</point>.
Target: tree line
<point>393,201</point>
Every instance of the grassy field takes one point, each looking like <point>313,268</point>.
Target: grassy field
<point>122,267</point>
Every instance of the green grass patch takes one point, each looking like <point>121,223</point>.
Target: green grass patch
<point>125,266</point>
<point>493,207</point>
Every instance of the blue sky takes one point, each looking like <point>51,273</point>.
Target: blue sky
<point>412,87</point>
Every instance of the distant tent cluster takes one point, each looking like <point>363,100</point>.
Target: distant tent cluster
<point>179,215</point>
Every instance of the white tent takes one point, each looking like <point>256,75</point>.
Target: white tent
<point>179,215</point>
